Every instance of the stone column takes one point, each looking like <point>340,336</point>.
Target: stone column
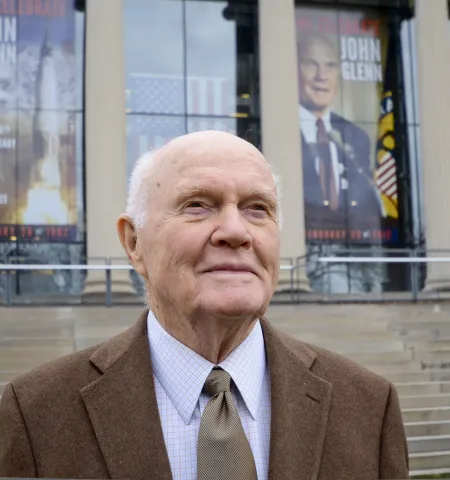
<point>280,122</point>
<point>106,167</point>
<point>433,68</point>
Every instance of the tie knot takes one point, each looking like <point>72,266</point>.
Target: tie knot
<point>322,136</point>
<point>218,381</point>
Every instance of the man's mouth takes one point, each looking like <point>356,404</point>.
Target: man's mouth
<point>231,269</point>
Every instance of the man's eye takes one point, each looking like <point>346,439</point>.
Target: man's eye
<point>195,208</point>
<point>258,211</point>
<point>259,207</point>
<point>194,205</point>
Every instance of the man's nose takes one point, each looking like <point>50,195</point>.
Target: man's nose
<point>321,72</point>
<point>232,229</point>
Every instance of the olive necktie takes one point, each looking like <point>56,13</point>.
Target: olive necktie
<point>223,449</point>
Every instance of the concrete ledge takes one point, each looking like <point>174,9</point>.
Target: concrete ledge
<point>416,429</point>
<point>418,401</point>
<point>423,460</point>
<point>429,443</point>
<point>428,472</point>
<point>426,414</point>
<point>422,388</point>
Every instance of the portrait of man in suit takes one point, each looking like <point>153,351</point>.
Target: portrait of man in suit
<point>339,190</point>
<point>203,386</point>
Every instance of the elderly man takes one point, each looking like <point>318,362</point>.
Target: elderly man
<point>203,386</point>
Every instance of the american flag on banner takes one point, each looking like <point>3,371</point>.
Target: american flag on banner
<point>158,104</point>
<point>386,168</point>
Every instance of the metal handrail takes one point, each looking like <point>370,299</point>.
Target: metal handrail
<point>21,266</point>
<point>12,266</point>
<point>291,266</point>
<point>384,259</point>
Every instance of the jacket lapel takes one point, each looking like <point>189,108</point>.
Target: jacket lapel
<point>122,408</point>
<point>300,404</point>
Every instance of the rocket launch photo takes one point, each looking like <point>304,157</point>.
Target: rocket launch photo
<point>38,110</point>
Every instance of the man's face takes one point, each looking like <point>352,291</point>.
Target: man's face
<point>318,75</point>
<point>211,244</point>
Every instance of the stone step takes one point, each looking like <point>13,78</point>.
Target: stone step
<point>386,368</point>
<point>418,401</point>
<point>18,351</point>
<point>422,388</point>
<point>10,360</point>
<point>7,375</point>
<point>417,323</point>
<point>326,325</point>
<point>430,346</point>
<point>425,460</point>
<point>363,346</point>
<point>408,377</point>
<point>429,443</point>
<point>443,473</point>
<point>33,330</point>
<point>438,357</point>
<point>419,429</point>
<point>282,318</point>
<point>432,375</point>
<point>398,358</point>
<point>425,414</point>
<point>35,342</point>
<point>439,374</point>
<point>336,337</point>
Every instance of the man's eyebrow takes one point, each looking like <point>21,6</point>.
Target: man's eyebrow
<point>270,197</point>
<point>189,192</point>
<point>267,196</point>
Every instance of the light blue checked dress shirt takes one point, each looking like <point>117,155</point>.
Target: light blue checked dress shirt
<point>179,374</point>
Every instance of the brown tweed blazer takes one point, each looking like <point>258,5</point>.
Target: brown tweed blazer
<point>93,414</point>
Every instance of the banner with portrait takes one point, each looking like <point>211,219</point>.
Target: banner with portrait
<point>346,115</point>
<point>39,198</point>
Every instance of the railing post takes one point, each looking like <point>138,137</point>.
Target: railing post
<point>108,287</point>
<point>414,279</point>
<point>8,299</point>
<point>292,280</point>
<point>328,280</point>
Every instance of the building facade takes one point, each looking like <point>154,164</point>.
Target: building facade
<point>346,99</point>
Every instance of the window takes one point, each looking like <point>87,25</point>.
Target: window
<point>190,65</point>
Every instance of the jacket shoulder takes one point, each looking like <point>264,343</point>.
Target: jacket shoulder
<point>348,128</point>
<point>65,376</point>
<point>58,377</point>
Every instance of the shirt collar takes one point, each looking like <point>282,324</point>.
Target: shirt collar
<point>183,372</point>
<point>306,116</point>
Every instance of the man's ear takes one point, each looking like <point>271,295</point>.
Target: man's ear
<point>129,239</point>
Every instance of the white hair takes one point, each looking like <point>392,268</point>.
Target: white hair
<point>139,186</point>
<point>138,189</point>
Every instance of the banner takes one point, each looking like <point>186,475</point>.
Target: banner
<point>347,129</point>
<point>38,121</point>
